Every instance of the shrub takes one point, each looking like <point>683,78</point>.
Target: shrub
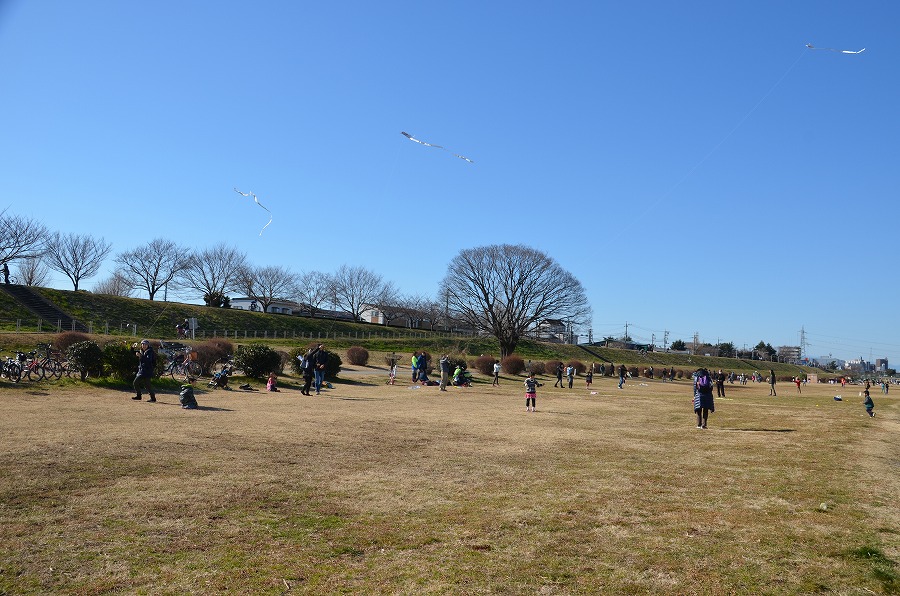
<point>67,338</point>
<point>484,365</point>
<point>358,356</point>
<point>538,368</point>
<point>579,366</point>
<point>634,372</point>
<point>513,364</point>
<point>257,360</point>
<point>211,352</point>
<point>119,360</point>
<point>87,357</point>
<point>550,367</point>
<point>679,374</point>
<point>283,359</point>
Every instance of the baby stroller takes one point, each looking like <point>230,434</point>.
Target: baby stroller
<point>220,379</point>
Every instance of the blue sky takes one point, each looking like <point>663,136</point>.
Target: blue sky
<point>692,163</point>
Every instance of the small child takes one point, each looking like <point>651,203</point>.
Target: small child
<point>531,386</point>
<point>393,374</point>
<point>271,384</point>
<point>589,377</point>
<point>870,405</point>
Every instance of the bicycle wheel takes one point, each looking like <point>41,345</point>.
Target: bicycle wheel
<point>53,368</point>
<point>193,368</point>
<point>178,372</point>
<point>13,372</point>
<point>33,372</point>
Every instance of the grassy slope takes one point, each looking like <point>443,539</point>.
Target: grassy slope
<point>157,319</point>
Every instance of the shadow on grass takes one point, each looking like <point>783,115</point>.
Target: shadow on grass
<point>761,430</point>
<point>352,398</point>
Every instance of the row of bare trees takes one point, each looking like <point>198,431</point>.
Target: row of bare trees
<point>503,290</point>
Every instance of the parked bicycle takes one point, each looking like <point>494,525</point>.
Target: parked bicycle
<point>31,366</point>
<point>52,361</point>
<point>11,370</point>
<point>182,363</point>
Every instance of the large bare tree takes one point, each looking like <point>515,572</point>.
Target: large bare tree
<point>265,284</point>
<point>357,289</point>
<point>507,290</point>
<point>77,256</point>
<point>153,266</point>
<point>32,272</point>
<point>314,289</point>
<point>20,237</point>
<point>211,271</point>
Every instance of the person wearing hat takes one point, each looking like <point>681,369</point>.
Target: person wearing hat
<point>146,368</point>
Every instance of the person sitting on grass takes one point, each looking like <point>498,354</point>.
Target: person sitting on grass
<point>272,383</point>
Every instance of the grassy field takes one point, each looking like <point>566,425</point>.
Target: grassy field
<point>372,488</point>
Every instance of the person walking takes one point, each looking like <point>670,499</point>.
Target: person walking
<point>445,371</point>
<point>703,397</point>
<point>622,373</point>
<point>870,405</point>
<point>146,369</point>
<point>797,382</point>
<point>589,376</point>
<point>320,360</point>
<point>531,386</point>
<point>772,382</point>
<point>559,376</point>
<point>496,373</point>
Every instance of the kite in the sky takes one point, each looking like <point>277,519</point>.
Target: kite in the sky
<point>250,194</point>
<point>414,139</point>
<point>810,46</point>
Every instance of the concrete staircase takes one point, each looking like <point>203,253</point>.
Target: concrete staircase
<point>45,310</point>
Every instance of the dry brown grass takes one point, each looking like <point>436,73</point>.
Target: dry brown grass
<point>386,489</point>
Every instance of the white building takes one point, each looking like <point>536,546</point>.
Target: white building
<point>284,307</point>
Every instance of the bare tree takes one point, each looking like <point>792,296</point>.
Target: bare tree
<point>211,271</point>
<point>507,290</point>
<point>32,272</point>
<point>152,266</point>
<point>357,288</point>
<point>20,237</point>
<point>397,307</point>
<point>77,256</point>
<point>114,285</point>
<point>265,284</point>
<point>314,289</point>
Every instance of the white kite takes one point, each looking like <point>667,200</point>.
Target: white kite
<point>250,194</point>
<point>810,46</point>
<point>414,139</point>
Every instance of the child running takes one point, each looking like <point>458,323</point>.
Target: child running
<point>870,405</point>
<point>531,386</point>
<point>589,376</point>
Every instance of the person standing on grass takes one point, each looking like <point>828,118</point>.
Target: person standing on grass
<point>306,367</point>
<point>146,369</point>
<point>720,384</point>
<point>559,375</point>
<point>414,363</point>
<point>797,382</point>
<point>320,359</point>
<point>589,376</point>
<point>622,373</point>
<point>531,386</point>
<point>570,374</point>
<point>703,397</point>
<point>445,371</point>
<point>772,382</point>
<point>496,373</point>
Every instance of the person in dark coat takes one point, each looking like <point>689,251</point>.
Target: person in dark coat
<point>559,375</point>
<point>320,359</point>
<point>145,372</point>
<point>703,397</point>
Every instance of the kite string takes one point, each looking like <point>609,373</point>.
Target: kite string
<point>709,154</point>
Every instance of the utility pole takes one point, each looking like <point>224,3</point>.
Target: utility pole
<point>652,340</point>
<point>626,331</point>
<point>665,341</point>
